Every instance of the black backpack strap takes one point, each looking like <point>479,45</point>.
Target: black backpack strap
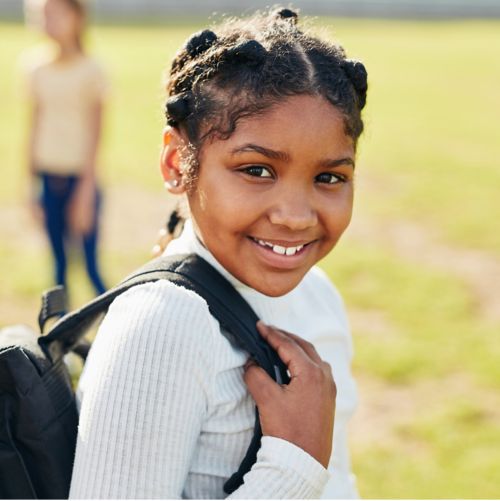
<point>68,331</point>
<point>54,304</point>
<point>233,313</point>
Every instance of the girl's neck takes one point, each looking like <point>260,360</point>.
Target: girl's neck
<point>68,52</point>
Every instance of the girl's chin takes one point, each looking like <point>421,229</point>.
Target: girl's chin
<point>274,284</point>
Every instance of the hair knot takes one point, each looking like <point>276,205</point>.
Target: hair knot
<point>200,42</point>
<point>287,14</point>
<point>173,221</point>
<point>249,51</point>
<point>177,109</point>
<point>356,72</point>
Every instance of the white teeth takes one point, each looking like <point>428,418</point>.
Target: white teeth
<point>293,250</point>
<point>278,249</point>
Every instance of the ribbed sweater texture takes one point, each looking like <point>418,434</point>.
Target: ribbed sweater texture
<point>164,410</point>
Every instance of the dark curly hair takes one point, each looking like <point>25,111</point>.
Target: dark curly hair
<point>217,79</point>
<point>248,65</point>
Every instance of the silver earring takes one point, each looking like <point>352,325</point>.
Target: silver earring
<point>172,184</point>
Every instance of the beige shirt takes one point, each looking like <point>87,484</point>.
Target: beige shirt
<point>66,93</point>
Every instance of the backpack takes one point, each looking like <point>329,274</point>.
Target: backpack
<point>38,414</point>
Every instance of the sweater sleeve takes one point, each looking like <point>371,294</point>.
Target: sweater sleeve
<point>282,471</point>
<point>144,396</point>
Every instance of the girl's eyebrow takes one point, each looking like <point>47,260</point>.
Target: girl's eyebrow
<point>339,161</point>
<point>267,152</point>
<point>285,157</point>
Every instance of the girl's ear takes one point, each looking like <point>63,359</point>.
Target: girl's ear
<point>170,161</point>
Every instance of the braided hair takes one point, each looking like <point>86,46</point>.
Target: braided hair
<point>249,65</point>
<point>246,66</point>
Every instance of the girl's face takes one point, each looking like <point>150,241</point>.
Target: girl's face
<point>274,198</point>
<point>61,22</point>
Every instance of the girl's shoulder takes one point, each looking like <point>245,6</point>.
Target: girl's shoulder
<point>92,64</point>
<point>35,59</point>
<point>159,307</point>
<point>163,292</point>
<point>94,75</point>
<point>154,335</point>
<point>41,60</point>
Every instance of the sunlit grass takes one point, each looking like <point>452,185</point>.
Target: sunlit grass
<point>431,121</point>
<point>447,451</point>
<point>432,325</point>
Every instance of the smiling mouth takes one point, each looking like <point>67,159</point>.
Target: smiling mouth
<point>280,249</point>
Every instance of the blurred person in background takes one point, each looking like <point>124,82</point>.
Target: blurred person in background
<point>66,89</point>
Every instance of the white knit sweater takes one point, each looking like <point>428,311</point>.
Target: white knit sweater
<point>164,410</point>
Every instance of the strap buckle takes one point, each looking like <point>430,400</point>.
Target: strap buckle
<point>54,304</point>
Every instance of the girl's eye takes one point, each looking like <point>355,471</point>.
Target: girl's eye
<point>330,178</point>
<point>257,171</point>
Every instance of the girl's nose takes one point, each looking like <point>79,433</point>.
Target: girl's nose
<point>294,213</point>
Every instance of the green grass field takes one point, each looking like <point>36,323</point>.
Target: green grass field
<point>419,268</point>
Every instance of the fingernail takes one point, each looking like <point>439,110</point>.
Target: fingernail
<point>249,363</point>
<point>262,327</point>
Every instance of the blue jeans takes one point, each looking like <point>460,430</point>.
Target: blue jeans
<point>56,195</point>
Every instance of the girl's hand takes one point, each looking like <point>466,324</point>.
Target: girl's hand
<point>82,208</point>
<point>303,411</point>
<point>33,203</point>
<point>35,210</point>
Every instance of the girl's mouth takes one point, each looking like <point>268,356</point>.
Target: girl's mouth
<point>281,250</point>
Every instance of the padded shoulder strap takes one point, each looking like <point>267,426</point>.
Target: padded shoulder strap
<point>67,332</point>
<point>225,303</point>
<point>192,272</point>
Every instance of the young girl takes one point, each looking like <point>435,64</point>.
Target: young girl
<point>263,121</point>
<point>67,90</point>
